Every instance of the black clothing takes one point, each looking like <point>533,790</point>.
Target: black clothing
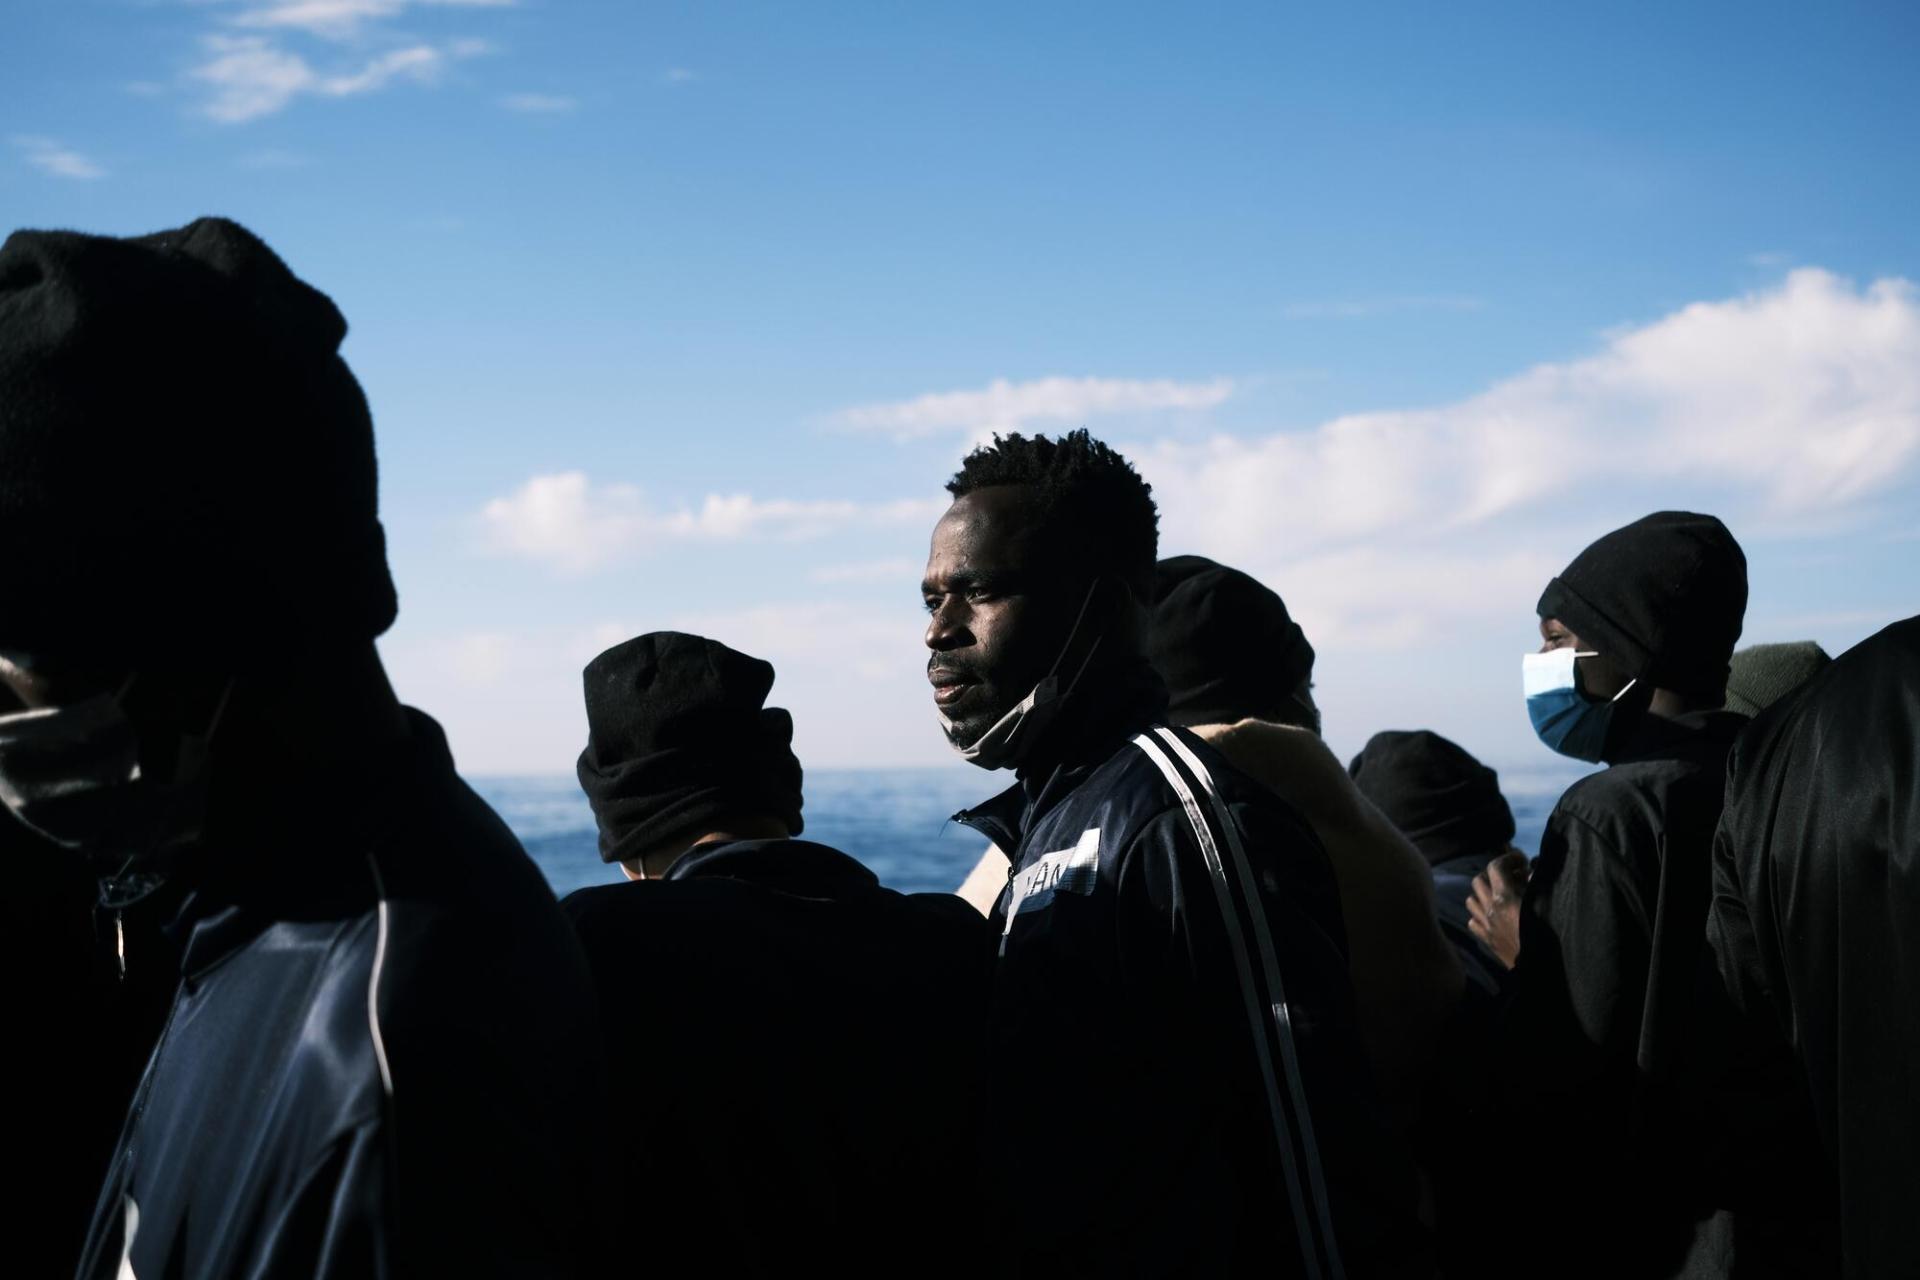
<point>1598,1031</point>
<point>181,393</point>
<point>1174,1029</point>
<point>1438,796</point>
<point>383,1059</point>
<point>677,736</point>
<point>83,1031</point>
<point>797,1051</point>
<point>1225,645</point>
<point>1663,597</point>
<point>1816,931</point>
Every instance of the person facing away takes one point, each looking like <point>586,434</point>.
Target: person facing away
<point>382,1058</point>
<point>799,1047</point>
<point>1636,634</point>
<point>1239,673</point>
<point>1762,674</point>
<point>1184,1087</point>
<point>1813,932</point>
<point>1450,807</point>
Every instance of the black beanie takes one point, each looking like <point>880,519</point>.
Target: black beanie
<point>1762,674</point>
<point>1663,598</point>
<point>1439,796</point>
<point>186,464</point>
<point>677,735</point>
<point>1224,643</point>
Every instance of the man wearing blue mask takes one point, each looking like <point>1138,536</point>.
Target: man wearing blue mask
<point>1636,635</point>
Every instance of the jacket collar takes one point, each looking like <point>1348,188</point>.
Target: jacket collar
<point>798,867</point>
<point>1678,737</point>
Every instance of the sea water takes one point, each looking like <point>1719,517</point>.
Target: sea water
<point>896,821</point>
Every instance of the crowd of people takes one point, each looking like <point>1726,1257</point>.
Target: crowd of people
<point>293,1002</point>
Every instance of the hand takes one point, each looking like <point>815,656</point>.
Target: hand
<point>1494,909</point>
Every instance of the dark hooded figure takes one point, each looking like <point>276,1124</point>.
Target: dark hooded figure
<point>1815,931</point>
<point>1636,633</point>
<point>382,1058</point>
<point>797,1049</point>
<point>1184,1087</point>
<point>1239,673</point>
<point>1449,805</point>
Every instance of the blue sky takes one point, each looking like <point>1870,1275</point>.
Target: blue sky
<point>680,315</point>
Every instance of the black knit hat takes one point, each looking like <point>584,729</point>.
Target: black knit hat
<point>1224,643</point>
<point>1762,674</point>
<point>186,464</point>
<point>677,735</point>
<point>1439,796</point>
<point>1664,598</point>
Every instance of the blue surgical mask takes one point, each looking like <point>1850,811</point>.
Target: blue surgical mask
<point>1565,718</point>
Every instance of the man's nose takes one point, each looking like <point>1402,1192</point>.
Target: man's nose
<point>947,629</point>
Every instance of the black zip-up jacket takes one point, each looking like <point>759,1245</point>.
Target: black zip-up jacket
<point>383,1059</point>
<point>1602,1014</point>
<point>1815,928</point>
<point>798,1050</point>
<point>1183,1087</point>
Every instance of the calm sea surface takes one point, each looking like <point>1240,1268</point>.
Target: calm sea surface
<point>893,820</point>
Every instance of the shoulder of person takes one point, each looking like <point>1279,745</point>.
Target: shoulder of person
<point>1292,763</point>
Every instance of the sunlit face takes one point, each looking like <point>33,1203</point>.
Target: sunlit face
<point>1600,677</point>
<point>999,614</point>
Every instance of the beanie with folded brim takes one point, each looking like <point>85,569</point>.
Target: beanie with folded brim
<point>186,463</point>
<point>1762,674</point>
<point>1435,793</point>
<point>1224,643</point>
<point>677,737</point>
<point>1663,598</point>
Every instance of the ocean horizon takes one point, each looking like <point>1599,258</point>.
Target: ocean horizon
<point>897,822</point>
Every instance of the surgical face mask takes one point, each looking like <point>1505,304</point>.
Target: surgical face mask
<point>1565,718</point>
<point>72,773</point>
<point>1007,741</point>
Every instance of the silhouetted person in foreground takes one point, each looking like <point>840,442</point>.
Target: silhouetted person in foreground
<point>1815,930</point>
<point>382,1059</point>
<point>1449,805</point>
<point>1636,634</point>
<point>1239,673</point>
<point>1184,1088</point>
<point>797,1049</point>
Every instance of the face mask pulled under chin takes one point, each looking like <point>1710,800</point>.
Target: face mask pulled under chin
<point>1009,740</point>
<point>72,774</point>
<point>1564,718</point>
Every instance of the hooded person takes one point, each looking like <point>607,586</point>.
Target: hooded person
<point>374,982</point>
<point>1239,673</point>
<point>1172,1011</point>
<point>1636,637</point>
<point>1816,908</point>
<point>1450,807</point>
<point>798,1047</point>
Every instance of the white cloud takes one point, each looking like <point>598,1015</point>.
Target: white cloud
<point>50,156</point>
<point>1003,406</point>
<point>899,571</point>
<point>678,75</point>
<point>1366,307</point>
<point>1791,405</point>
<point>573,525</point>
<point>340,19</point>
<point>539,103</point>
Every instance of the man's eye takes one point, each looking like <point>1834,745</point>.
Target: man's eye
<point>980,593</point>
<point>931,603</point>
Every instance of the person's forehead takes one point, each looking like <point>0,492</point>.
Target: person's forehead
<point>987,527</point>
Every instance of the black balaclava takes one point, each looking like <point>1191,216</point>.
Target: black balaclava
<point>677,734</point>
<point>186,463</point>
<point>1435,793</point>
<point>1224,644</point>
<point>1662,598</point>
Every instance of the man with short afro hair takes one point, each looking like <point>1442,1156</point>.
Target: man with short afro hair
<point>1172,1014</point>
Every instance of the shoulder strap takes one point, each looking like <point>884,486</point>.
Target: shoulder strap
<point>1261,991</point>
